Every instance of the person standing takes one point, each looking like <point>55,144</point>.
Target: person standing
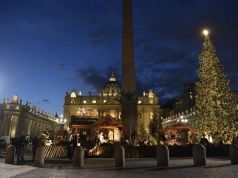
<point>35,144</point>
<point>204,141</point>
<point>133,137</point>
<point>21,149</point>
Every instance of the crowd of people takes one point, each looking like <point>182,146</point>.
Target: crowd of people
<point>207,140</point>
<point>26,143</point>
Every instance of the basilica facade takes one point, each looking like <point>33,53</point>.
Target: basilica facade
<point>117,110</point>
<point>89,115</point>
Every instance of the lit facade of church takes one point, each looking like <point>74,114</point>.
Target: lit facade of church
<point>92,114</point>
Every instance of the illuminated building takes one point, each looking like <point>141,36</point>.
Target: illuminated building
<point>16,117</point>
<point>92,114</point>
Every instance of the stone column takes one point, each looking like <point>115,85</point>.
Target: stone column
<point>29,127</point>
<point>6,123</point>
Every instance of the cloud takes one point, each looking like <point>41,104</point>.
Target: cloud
<point>91,77</point>
<point>167,52</point>
<point>61,66</point>
<point>167,36</point>
<point>164,68</point>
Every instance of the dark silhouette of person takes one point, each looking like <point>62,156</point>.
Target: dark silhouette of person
<point>71,146</point>
<point>36,142</point>
<point>204,141</point>
<point>220,142</point>
<point>21,149</point>
<point>133,137</point>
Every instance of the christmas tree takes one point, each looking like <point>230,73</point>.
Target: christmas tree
<point>216,108</point>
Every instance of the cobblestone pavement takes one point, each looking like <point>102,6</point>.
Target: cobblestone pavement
<point>8,170</point>
<point>139,168</point>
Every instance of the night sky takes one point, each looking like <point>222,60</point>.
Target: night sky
<point>48,47</point>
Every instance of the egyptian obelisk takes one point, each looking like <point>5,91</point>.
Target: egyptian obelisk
<point>129,97</point>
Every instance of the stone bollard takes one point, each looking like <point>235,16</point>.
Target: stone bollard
<point>119,155</point>
<point>78,157</point>
<point>39,156</point>
<point>234,154</point>
<point>199,155</point>
<point>162,156</point>
<point>10,153</point>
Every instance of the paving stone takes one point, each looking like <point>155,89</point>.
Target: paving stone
<point>139,168</point>
<point>9,170</point>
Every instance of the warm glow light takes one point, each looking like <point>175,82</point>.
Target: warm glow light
<point>205,32</point>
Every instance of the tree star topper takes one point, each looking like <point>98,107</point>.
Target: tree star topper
<point>205,32</point>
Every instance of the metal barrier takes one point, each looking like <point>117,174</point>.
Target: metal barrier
<point>55,152</point>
